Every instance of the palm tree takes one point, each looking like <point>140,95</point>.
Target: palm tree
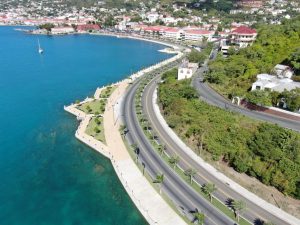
<point>123,130</point>
<point>159,180</point>
<point>238,207</point>
<point>200,141</point>
<point>161,149</point>
<point>174,161</point>
<point>199,217</point>
<point>209,189</point>
<point>190,173</point>
<point>136,150</point>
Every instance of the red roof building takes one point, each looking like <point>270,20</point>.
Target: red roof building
<point>243,36</point>
<point>88,27</point>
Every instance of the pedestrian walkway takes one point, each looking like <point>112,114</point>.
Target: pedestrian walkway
<point>146,198</point>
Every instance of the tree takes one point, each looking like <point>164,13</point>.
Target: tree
<point>97,121</point>
<point>199,217</point>
<point>190,173</point>
<point>174,161</point>
<point>47,26</point>
<point>136,150</point>
<point>259,97</point>
<point>161,149</point>
<point>123,130</point>
<point>159,180</point>
<point>209,189</point>
<point>295,60</point>
<point>97,130</point>
<point>238,207</point>
<point>109,21</point>
<point>197,57</point>
<point>88,108</point>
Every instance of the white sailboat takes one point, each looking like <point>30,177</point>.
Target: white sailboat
<point>40,49</point>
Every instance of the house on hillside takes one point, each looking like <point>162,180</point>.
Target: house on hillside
<point>186,70</point>
<point>267,82</point>
<point>243,36</point>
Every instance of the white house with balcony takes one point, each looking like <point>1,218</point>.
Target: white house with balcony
<point>243,36</point>
<point>186,70</point>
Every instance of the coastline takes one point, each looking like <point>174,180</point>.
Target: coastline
<point>151,205</point>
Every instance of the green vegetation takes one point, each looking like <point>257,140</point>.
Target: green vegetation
<point>209,189</point>
<point>199,57</point>
<point>265,151</point>
<point>275,44</point>
<point>238,207</point>
<point>105,93</point>
<point>94,107</point>
<point>96,129</point>
<point>199,217</point>
<point>47,26</point>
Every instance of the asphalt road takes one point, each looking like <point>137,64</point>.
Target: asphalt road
<point>175,187</point>
<point>210,96</point>
<point>254,212</point>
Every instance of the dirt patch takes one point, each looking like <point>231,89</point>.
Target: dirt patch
<point>268,193</point>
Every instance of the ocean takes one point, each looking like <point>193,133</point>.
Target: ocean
<point>48,176</point>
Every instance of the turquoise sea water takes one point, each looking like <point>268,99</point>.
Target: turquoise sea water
<point>47,176</point>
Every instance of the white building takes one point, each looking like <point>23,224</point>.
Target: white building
<point>169,19</point>
<point>186,70</point>
<point>172,33</point>
<point>267,82</point>
<point>62,30</point>
<point>243,36</point>
<point>197,35</point>
<point>283,71</point>
<point>152,17</point>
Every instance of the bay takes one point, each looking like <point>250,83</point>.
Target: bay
<point>47,176</point>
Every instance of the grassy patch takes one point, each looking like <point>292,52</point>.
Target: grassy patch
<point>94,107</point>
<point>106,92</point>
<point>96,129</point>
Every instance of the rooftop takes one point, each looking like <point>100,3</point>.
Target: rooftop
<point>244,30</point>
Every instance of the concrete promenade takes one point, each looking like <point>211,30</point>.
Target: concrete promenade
<point>149,202</point>
<point>236,187</point>
<point>146,198</point>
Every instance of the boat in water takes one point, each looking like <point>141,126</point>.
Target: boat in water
<point>41,51</point>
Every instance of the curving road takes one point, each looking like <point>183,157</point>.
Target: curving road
<point>175,187</point>
<point>210,96</point>
<point>253,213</point>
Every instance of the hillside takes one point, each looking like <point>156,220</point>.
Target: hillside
<point>265,151</point>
